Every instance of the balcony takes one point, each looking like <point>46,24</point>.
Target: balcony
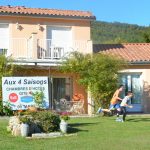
<point>42,49</point>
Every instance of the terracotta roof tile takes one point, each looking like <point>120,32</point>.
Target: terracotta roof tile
<point>21,10</point>
<point>132,52</point>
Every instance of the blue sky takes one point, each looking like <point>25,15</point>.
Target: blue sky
<point>125,11</point>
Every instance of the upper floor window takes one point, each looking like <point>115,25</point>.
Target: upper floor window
<point>4,37</point>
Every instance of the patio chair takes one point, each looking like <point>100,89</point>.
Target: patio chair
<point>77,107</point>
<point>62,105</point>
<point>56,105</point>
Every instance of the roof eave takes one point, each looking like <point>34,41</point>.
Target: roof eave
<point>139,62</point>
<point>92,18</point>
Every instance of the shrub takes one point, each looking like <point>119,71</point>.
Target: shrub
<point>46,120</point>
<point>98,73</point>
<point>5,110</point>
<point>64,116</point>
<point>25,119</point>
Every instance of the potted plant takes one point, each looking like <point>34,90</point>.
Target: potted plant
<point>63,124</point>
<point>25,120</point>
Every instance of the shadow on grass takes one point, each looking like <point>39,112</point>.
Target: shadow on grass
<point>82,124</point>
<point>139,120</point>
<point>73,128</point>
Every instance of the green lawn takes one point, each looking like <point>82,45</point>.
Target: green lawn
<point>98,133</point>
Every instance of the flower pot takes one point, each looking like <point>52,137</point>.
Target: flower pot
<point>32,109</point>
<point>24,129</point>
<point>63,126</point>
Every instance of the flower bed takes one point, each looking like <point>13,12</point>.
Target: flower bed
<point>40,121</point>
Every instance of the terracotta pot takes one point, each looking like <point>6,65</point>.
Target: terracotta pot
<point>32,109</point>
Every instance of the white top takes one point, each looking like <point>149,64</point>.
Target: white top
<point>125,100</point>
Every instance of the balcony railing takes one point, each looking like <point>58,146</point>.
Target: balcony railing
<point>49,49</point>
<point>43,49</point>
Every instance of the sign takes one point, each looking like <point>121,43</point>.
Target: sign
<point>23,92</point>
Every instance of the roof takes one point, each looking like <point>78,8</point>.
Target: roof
<point>24,11</point>
<point>132,52</point>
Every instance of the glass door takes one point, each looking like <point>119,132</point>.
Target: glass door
<point>58,88</point>
<point>61,89</point>
<point>132,82</point>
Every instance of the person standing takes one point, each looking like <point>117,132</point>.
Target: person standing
<point>124,104</point>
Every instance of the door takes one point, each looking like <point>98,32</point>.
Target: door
<point>4,38</point>
<point>59,40</point>
<point>133,83</point>
<point>61,89</point>
<point>59,35</point>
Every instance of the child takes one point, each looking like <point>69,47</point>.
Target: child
<point>114,103</point>
<point>124,104</point>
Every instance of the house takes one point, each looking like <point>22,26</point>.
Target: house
<point>38,39</point>
<point>136,77</point>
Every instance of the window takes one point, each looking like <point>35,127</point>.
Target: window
<point>3,51</point>
<point>4,34</point>
<point>132,83</point>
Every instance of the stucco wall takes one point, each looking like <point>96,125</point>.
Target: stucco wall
<point>80,28</point>
<point>76,88</point>
<point>20,48</point>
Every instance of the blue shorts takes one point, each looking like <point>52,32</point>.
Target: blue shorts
<point>115,106</point>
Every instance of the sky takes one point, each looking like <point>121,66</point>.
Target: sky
<point>124,11</point>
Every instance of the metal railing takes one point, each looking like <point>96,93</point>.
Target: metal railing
<point>50,49</point>
<point>23,48</point>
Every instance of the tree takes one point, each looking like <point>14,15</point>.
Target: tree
<point>98,73</point>
<point>146,37</point>
<point>107,33</point>
<point>6,69</point>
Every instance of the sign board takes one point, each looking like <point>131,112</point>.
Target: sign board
<point>23,92</point>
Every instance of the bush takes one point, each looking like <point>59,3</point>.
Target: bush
<point>98,73</point>
<point>64,116</point>
<point>47,121</point>
<point>5,110</point>
<point>25,119</point>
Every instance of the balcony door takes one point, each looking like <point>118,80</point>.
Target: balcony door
<point>59,40</point>
<point>4,38</point>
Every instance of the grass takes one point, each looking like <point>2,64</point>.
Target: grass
<point>101,133</point>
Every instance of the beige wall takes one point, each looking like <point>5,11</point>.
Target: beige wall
<point>33,71</point>
<point>145,80</point>
<point>80,28</point>
<point>28,25</point>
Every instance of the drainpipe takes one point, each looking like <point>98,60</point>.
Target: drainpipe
<point>90,104</point>
<point>89,47</point>
<point>34,45</point>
